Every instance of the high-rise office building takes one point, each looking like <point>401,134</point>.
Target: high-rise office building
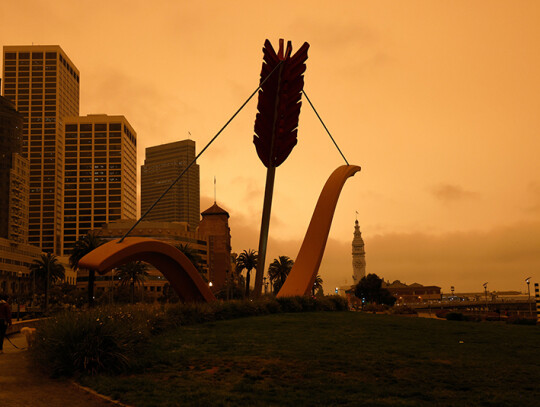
<point>162,165</point>
<point>13,176</point>
<point>101,174</point>
<point>43,84</point>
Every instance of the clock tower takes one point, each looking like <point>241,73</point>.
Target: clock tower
<point>358,255</point>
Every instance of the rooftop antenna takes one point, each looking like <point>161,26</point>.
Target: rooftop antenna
<point>214,189</point>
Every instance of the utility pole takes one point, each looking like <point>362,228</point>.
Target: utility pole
<point>485,291</point>
<point>529,291</point>
<point>19,275</point>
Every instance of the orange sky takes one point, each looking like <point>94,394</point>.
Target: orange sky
<point>438,102</point>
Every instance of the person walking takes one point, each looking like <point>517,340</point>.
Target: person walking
<point>5,319</point>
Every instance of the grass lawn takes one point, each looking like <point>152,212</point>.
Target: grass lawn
<point>334,358</point>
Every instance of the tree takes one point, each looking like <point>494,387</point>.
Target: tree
<point>247,260</point>
<point>44,271</point>
<point>317,285</point>
<point>168,295</point>
<point>82,247</point>
<point>133,273</point>
<point>279,270</point>
<point>193,256</point>
<point>369,289</point>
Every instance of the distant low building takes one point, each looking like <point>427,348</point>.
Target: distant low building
<point>15,261</point>
<point>412,293</point>
<point>174,233</point>
<point>211,241</point>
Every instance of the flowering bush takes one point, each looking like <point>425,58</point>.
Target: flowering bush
<point>94,341</point>
<point>107,339</point>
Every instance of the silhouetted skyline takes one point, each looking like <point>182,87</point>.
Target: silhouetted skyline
<point>437,102</point>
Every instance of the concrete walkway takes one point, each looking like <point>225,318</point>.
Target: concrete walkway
<point>22,386</point>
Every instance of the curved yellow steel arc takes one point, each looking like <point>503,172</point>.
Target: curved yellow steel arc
<point>171,262</point>
<point>302,276</point>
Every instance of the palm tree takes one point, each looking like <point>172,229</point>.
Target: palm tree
<point>133,273</point>
<point>247,260</point>
<point>82,247</point>
<point>192,255</point>
<point>317,285</point>
<point>44,271</point>
<point>278,271</point>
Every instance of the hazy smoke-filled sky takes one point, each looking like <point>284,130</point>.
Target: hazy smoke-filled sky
<point>438,102</point>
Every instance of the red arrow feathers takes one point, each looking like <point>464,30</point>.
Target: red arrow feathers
<point>279,103</point>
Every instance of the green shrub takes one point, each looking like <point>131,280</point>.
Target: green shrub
<point>326,304</point>
<point>455,316</point>
<point>228,310</point>
<point>521,321</point>
<point>442,313</point>
<point>189,314</point>
<point>341,303</point>
<point>373,307</point>
<point>289,304</point>
<point>271,305</point>
<point>403,310</point>
<point>95,341</point>
<point>473,317</point>
<point>106,339</point>
<point>308,303</point>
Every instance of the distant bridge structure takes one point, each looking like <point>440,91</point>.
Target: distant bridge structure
<point>510,306</point>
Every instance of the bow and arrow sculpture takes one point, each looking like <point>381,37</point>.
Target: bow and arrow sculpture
<point>280,92</point>
<point>276,124</point>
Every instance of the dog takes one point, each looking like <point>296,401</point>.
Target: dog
<point>30,334</point>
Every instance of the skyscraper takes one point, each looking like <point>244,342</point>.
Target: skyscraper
<point>162,165</point>
<point>13,176</point>
<point>43,84</point>
<point>101,174</point>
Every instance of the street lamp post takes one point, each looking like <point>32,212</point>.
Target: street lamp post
<point>112,286</point>
<point>529,291</point>
<point>19,275</point>
<point>485,291</point>
<point>227,283</point>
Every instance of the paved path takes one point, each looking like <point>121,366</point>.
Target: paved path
<point>22,386</point>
